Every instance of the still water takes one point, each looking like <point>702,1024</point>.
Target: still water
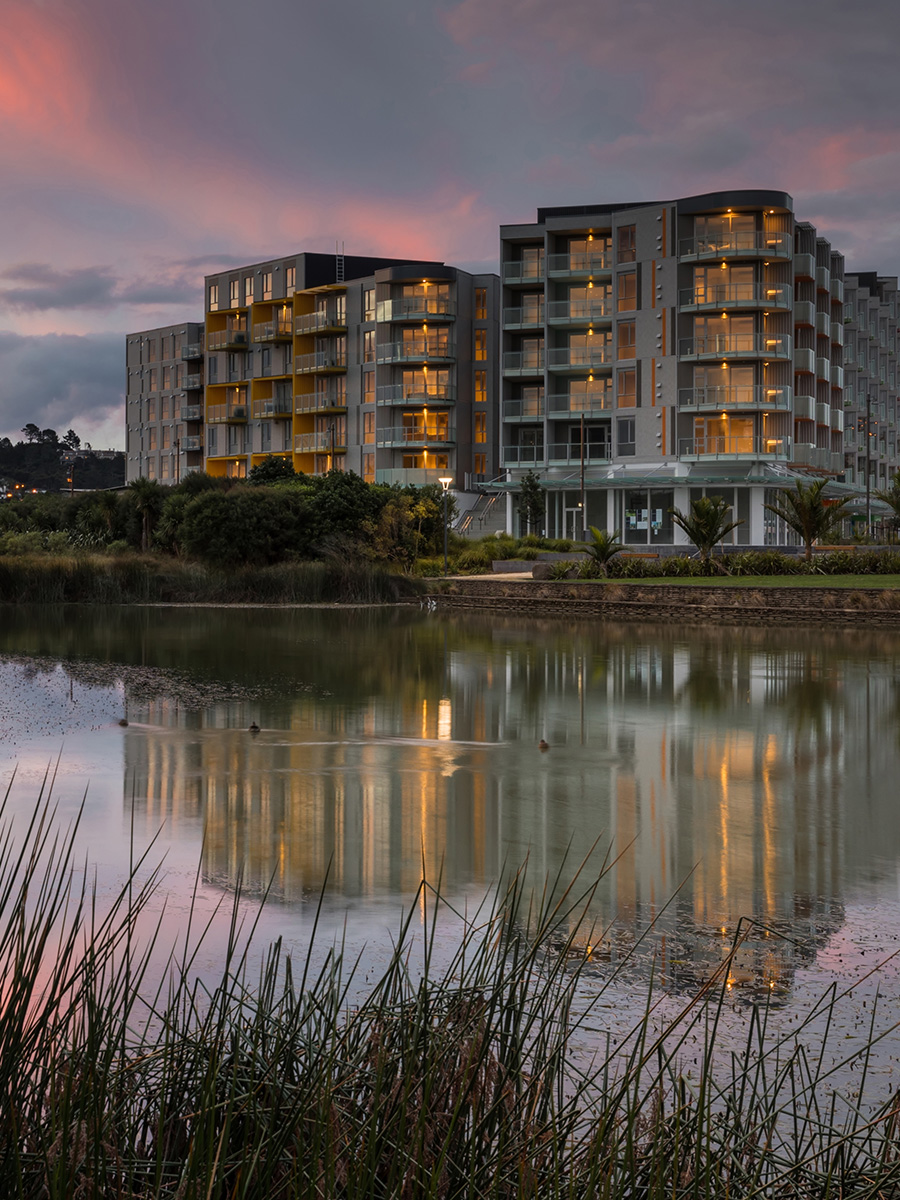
<point>723,775</point>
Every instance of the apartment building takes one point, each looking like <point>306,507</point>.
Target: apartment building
<point>381,366</point>
<point>654,353</point>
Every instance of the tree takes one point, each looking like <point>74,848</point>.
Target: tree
<point>603,547</point>
<point>32,432</point>
<point>805,510</point>
<point>247,525</point>
<point>891,496</point>
<point>149,497</point>
<point>273,469</point>
<point>706,524</point>
<point>531,501</point>
<point>71,440</point>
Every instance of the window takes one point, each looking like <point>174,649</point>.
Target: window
<point>164,347</point>
<point>626,293</point>
<point>480,428</point>
<point>480,345</point>
<point>625,335</point>
<point>212,369</point>
<point>164,408</point>
<point>248,290</point>
<point>626,388</point>
<point>369,387</point>
<point>267,285</point>
<point>368,427</point>
<point>625,436</point>
<point>368,465</point>
<point>369,304</point>
<point>150,346</point>
<point>480,464</point>
<point>625,246</point>
<point>481,387</point>
<point>166,437</point>
<point>481,304</point>
<point>151,468</point>
<point>166,378</point>
<point>164,468</point>
<point>151,410</point>
<point>213,297</point>
<point>152,435</point>
<point>234,293</point>
<point>265,365</point>
<point>290,280</point>
<point>265,440</point>
<point>368,345</point>
<point>212,438</point>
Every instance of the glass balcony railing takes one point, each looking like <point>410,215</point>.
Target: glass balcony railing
<point>738,244</point>
<point>522,456</point>
<point>322,441</point>
<point>321,360</point>
<point>332,320</point>
<point>737,345</point>
<point>568,455</point>
<point>581,263</point>
<point>320,401</point>
<point>574,404</point>
<point>725,446</point>
<point>192,412</point>
<point>523,272</point>
<point>580,357</point>
<point>415,350</point>
<point>403,393</point>
<point>416,435</point>
<point>579,312</point>
<point>737,295</point>
<point>193,382</point>
<point>778,399</point>
<point>233,338</point>
<point>279,330</point>
<point>412,476</point>
<point>416,308</point>
<point>272,406</point>
<point>529,317</point>
<point>191,443</point>
<point>192,352</point>
<point>528,362</point>
<point>221,414</point>
<point>529,409</point>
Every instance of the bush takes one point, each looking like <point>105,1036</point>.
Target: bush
<point>253,525</point>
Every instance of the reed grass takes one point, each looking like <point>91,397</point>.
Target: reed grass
<point>444,1082</point>
<point>144,579</point>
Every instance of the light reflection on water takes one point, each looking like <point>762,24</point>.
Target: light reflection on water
<point>727,774</point>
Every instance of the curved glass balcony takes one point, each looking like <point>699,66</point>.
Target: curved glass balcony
<point>737,345</point>
<point>736,295</point>
<point>738,244</point>
<point>778,399</point>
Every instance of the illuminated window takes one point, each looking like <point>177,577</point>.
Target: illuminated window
<point>480,345</point>
<point>626,388</point>
<point>154,379</point>
<point>481,428</point>
<point>151,468</point>
<point>267,285</point>
<point>164,408</point>
<point>248,290</point>
<point>290,280</point>
<point>480,463</point>
<point>625,247</point>
<point>213,297</point>
<point>234,293</point>
<point>369,468</point>
<point>151,350</point>
<point>369,345</point>
<point>369,387</point>
<point>152,436</point>
<point>164,468</point>
<point>481,304</point>
<point>626,294</point>
<point>166,378</point>
<point>151,410</point>
<point>481,387</point>
<point>369,304</point>
<point>368,427</point>
<point>166,436</point>
<point>625,333</point>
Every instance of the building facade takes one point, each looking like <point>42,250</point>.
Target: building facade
<point>658,352</point>
<point>380,366</point>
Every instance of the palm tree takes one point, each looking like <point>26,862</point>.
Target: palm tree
<point>805,510</point>
<point>603,547</point>
<point>148,500</point>
<point>706,524</point>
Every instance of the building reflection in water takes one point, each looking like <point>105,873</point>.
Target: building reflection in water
<point>731,774</point>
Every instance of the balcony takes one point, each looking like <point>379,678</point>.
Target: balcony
<point>193,383</point>
<point>738,244</point>
<point>413,476</point>
<point>837,462</point>
<point>736,295</point>
<point>530,317</point>
<point>278,408</point>
<point>437,395</point>
<point>837,332</point>
<point>191,443</point>
<point>415,350</point>
<point>804,266</point>
<point>523,272</point>
<point>416,435</point>
<point>837,290</point>
<point>837,376</point>
<point>226,414</point>
<point>738,345</point>
<point>823,414</point>
<point>777,399</point>
<point>517,362</point>
<point>279,330</point>
<point>805,408</point>
<point>823,370</point>
<point>330,399</point>
<point>580,312</point>
<point>564,454</point>
<point>837,419</point>
<point>567,404</point>
<point>523,456</point>
<point>192,412</point>
<point>416,308</point>
<point>323,441</point>
<point>805,454</point>
<point>581,265</point>
<point>724,446</point>
<point>579,358</point>
<point>823,324</point>
<point>530,409</point>
<point>805,361</point>
<point>192,352</point>
<point>322,361</point>
<point>823,279</point>
<point>330,321</point>
<point>233,338</point>
<point>804,313</point>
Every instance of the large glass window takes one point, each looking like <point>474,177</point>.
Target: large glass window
<point>480,345</point>
<point>625,436</point>
<point>481,304</point>
<point>625,244</point>
<point>647,519</point>
<point>626,388</point>
<point>625,334</point>
<point>234,293</point>
<point>626,291</point>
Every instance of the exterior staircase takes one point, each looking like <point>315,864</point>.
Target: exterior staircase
<point>487,516</point>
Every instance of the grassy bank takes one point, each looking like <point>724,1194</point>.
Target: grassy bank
<point>129,579</point>
<point>456,1082</point>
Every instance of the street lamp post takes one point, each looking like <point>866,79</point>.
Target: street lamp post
<point>445,481</point>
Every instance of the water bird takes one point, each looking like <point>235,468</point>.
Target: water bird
<point>542,745</point>
<point>123,721</point>
<point>254,728</point>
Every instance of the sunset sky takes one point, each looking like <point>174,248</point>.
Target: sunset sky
<point>144,143</point>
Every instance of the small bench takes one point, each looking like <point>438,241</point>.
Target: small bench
<point>635,554</point>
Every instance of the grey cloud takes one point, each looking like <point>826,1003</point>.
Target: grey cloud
<point>38,287</point>
<point>60,381</point>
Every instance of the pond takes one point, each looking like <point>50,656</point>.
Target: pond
<point>712,778</point>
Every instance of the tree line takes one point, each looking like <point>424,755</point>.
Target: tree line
<point>50,463</point>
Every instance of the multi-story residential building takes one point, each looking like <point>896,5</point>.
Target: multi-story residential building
<point>654,353</point>
<point>381,366</point>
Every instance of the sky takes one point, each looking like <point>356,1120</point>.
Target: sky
<point>145,143</point>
